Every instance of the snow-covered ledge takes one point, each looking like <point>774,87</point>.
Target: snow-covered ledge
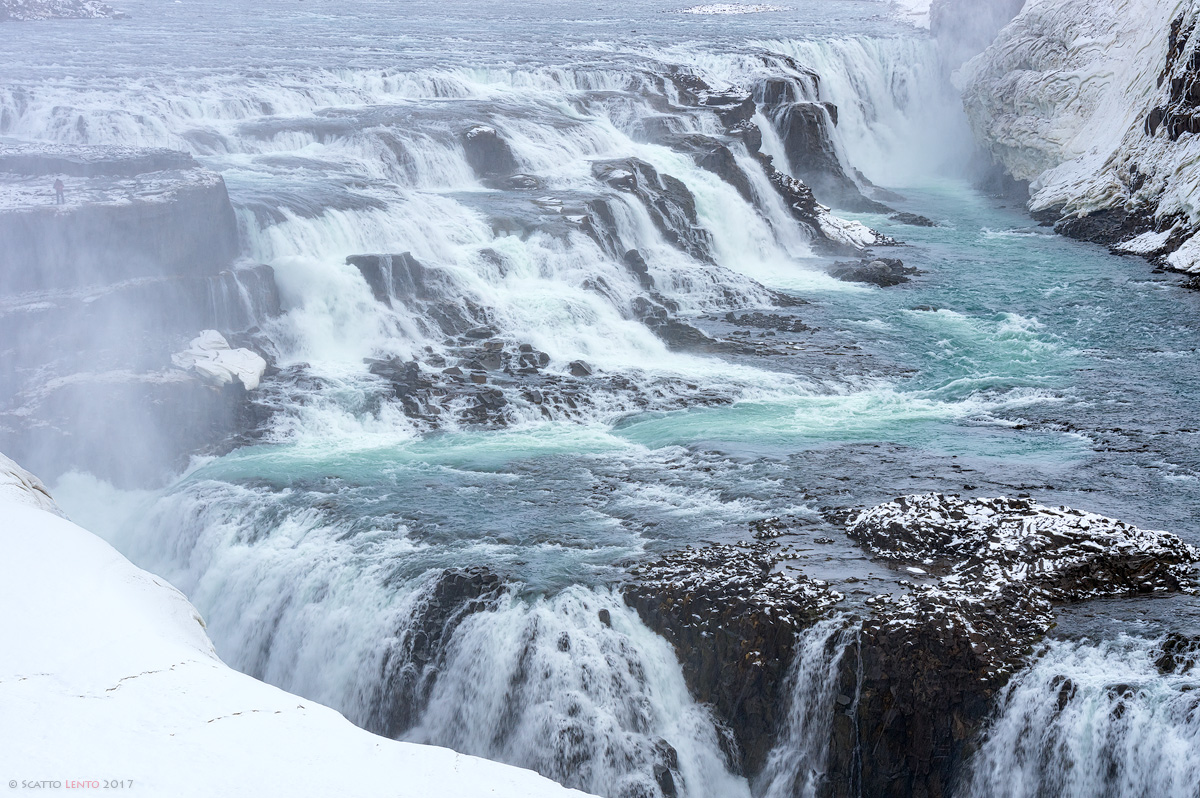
<point>107,675</point>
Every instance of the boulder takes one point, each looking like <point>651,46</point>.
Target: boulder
<point>488,153</point>
<point>883,272</point>
<point>733,620</point>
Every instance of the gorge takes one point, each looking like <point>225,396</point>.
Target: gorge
<point>671,401</point>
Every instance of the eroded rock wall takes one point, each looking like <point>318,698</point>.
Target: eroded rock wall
<point>1094,102</point>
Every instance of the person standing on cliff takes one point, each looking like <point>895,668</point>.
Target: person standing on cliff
<point>59,197</point>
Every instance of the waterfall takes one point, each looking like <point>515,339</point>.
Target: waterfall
<point>796,766</point>
<point>1115,719</point>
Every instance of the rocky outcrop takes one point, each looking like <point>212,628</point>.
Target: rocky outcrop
<point>488,153</point>
<point>982,578</point>
<point>1094,102</point>
<point>670,203</point>
<point>96,296</point>
<point>57,9</point>
<point>733,621</point>
<point>127,214</point>
<point>928,663</point>
<point>883,272</point>
<point>403,282</point>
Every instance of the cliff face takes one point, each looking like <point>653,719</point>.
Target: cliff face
<point>1093,103</point>
<point>125,214</point>
<point>96,294</point>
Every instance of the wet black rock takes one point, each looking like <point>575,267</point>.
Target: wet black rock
<point>928,663</point>
<point>670,203</point>
<point>577,368</point>
<point>883,272</point>
<point>733,621</point>
<point>403,282</point>
<point>1178,654</point>
<point>418,651</point>
<point>639,268</point>
<point>912,219</point>
<point>711,154</point>
<point>768,321</point>
<point>488,154</point>
<point>804,128</point>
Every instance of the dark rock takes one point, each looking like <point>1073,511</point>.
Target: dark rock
<point>669,202</point>
<point>928,663</point>
<point>577,368</point>
<point>430,295</point>
<point>413,659</point>
<point>912,219</point>
<point>711,154</point>
<point>733,623</point>
<point>883,272</point>
<point>808,144</point>
<point>637,265</point>
<point>488,154</point>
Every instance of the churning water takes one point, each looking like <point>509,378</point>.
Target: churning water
<point>1018,362</point>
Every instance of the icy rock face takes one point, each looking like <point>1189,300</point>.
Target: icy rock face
<point>1093,102</point>
<point>56,9</point>
<point>734,622</point>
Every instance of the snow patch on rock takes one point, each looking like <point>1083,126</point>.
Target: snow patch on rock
<point>210,356</point>
<point>18,486</point>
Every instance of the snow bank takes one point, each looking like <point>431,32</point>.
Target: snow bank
<point>107,675</point>
<point>210,356</point>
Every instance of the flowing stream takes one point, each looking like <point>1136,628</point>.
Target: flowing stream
<point>1017,362</point>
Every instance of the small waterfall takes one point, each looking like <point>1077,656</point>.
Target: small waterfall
<point>1118,719</point>
<point>796,766</point>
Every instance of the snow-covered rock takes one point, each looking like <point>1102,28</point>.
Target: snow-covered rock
<point>210,356</point>
<point>1094,102</point>
<point>108,678</point>
<point>18,486</point>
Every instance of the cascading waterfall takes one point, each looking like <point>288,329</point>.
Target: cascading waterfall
<point>796,765</point>
<point>329,566</point>
<point>1118,718</point>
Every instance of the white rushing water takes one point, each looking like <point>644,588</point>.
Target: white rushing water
<point>1095,720</point>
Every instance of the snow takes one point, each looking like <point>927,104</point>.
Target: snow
<point>106,673</point>
<point>210,356</point>
<point>915,11</point>
<point>731,8</point>
<point>1145,243</point>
